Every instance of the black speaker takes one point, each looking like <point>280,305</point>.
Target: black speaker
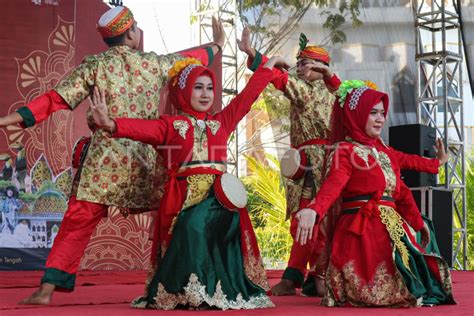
<point>437,204</point>
<point>415,139</point>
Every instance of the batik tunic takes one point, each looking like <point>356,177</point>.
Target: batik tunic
<point>310,113</point>
<point>375,260</point>
<point>115,171</point>
<point>203,252</point>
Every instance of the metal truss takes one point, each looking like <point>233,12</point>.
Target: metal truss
<point>226,10</point>
<point>439,93</point>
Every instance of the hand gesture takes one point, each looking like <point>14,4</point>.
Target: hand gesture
<point>306,219</point>
<point>441,152</point>
<point>244,43</point>
<point>277,61</point>
<point>317,67</point>
<point>425,236</point>
<point>218,34</point>
<point>99,109</point>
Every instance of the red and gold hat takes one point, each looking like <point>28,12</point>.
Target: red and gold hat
<point>312,52</point>
<point>115,21</point>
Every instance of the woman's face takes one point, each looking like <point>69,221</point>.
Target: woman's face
<point>376,120</point>
<point>202,95</point>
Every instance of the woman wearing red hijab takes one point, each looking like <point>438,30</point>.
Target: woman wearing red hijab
<point>375,259</point>
<point>204,254</point>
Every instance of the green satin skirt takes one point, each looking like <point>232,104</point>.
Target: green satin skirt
<point>203,265</point>
<point>419,279</point>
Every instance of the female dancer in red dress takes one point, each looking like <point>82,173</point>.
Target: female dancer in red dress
<point>204,255</point>
<point>375,259</point>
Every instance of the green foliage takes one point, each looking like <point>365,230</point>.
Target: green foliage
<point>469,164</point>
<point>267,208</point>
<point>28,197</point>
<point>272,29</point>
<point>274,103</point>
<point>4,184</point>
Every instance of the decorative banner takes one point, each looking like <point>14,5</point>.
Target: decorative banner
<point>35,163</point>
<point>41,45</point>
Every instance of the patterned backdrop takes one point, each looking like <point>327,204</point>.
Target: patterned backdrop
<point>42,44</point>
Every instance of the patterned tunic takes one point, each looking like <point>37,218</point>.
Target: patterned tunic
<point>310,114</point>
<point>115,171</point>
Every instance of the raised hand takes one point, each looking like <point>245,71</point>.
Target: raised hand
<point>306,219</point>
<point>277,61</point>
<point>317,67</point>
<point>244,43</point>
<point>441,153</point>
<point>218,33</point>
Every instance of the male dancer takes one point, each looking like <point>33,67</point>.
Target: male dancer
<point>311,103</point>
<point>115,172</point>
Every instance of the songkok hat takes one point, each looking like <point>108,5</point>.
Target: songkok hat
<point>115,21</point>
<point>312,52</point>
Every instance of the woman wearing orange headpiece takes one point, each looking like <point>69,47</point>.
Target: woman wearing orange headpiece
<point>205,255</point>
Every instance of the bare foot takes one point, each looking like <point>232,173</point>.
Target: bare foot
<point>41,296</point>
<point>320,287</point>
<point>285,287</point>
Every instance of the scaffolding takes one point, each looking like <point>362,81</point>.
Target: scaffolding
<point>227,12</point>
<point>439,92</point>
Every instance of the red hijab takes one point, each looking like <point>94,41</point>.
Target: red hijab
<point>181,88</point>
<point>351,119</point>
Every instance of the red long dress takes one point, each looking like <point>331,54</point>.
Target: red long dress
<point>194,155</point>
<point>374,259</point>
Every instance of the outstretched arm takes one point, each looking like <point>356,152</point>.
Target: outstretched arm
<point>36,111</point>
<point>242,103</point>
<point>422,164</point>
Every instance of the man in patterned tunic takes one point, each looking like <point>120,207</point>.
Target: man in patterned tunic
<point>114,172</point>
<point>311,100</point>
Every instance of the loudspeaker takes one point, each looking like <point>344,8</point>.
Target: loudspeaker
<point>415,139</point>
<point>437,205</point>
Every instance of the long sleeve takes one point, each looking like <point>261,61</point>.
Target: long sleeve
<point>416,162</point>
<point>406,207</point>
<point>280,78</point>
<point>205,55</point>
<point>151,132</point>
<point>332,83</point>
<point>41,108</point>
<point>339,174</point>
<point>242,103</point>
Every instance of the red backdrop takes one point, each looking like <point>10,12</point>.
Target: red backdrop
<point>40,44</point>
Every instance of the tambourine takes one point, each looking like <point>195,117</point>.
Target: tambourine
<point>230,191</point>
<point>293,163</point>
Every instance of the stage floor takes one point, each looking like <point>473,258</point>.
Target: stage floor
<point>109,293</point>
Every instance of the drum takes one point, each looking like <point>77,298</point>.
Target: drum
<point>293,164</point>
<point>230,191</point>
<point>79,151</point>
